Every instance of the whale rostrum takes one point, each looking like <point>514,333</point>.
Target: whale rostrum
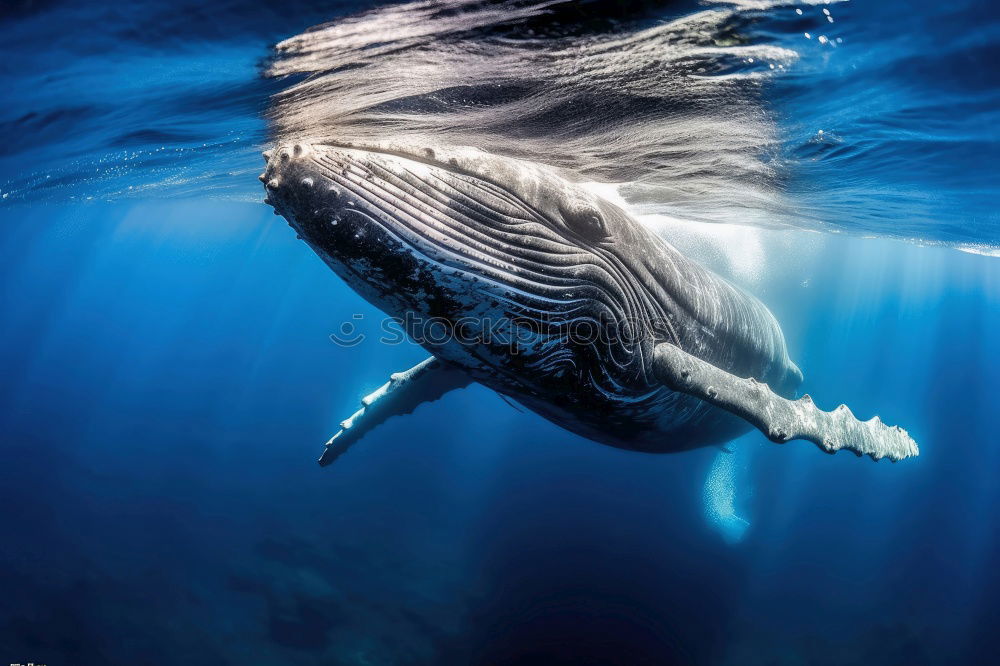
<point>552,297</point>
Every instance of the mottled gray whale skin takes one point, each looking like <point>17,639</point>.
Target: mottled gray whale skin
<point>502,250</point>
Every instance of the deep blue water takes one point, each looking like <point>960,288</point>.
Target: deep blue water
<point>168,381</point>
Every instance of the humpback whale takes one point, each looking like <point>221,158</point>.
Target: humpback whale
<point>551,296</point>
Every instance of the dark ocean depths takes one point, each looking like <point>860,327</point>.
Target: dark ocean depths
<point>167,379</point>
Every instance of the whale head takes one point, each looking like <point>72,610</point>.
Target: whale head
<point>499,258</point>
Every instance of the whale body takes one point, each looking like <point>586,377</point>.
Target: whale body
<point>552,296</point>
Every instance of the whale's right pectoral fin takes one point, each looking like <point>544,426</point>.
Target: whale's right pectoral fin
<point>778,418</point>
<point>404,392</point>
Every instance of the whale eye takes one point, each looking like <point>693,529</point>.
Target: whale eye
<point>587,221</point>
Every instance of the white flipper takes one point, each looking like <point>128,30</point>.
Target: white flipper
<point>778,418</point>
<point>404,392</point>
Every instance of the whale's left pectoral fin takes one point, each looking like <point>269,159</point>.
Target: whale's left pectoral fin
<point>404,392</point>
<point>778,418</point>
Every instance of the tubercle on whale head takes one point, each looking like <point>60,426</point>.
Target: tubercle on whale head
<point>279,174</point>
<point>323,212</point>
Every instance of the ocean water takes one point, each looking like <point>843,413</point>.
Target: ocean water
<point>168,377</point>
